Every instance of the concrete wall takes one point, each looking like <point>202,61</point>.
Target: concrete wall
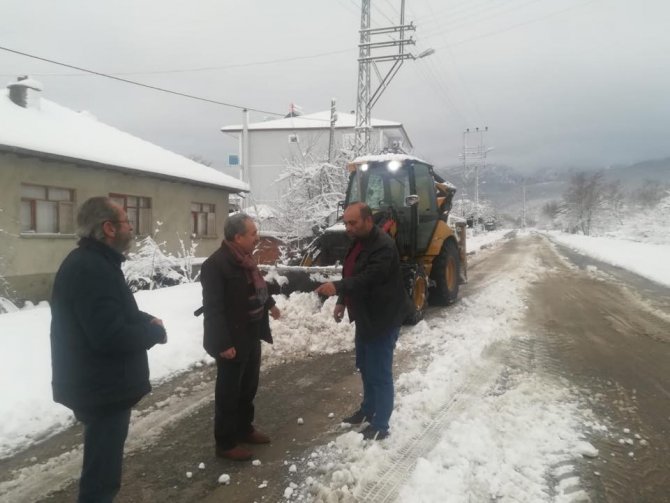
<point>29,261</point>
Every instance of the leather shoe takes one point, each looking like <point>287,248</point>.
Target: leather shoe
<point>256,437</point>
<point>357,417</point>
<point>235,454</point>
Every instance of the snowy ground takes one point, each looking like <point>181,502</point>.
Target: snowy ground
<point>467,446</point>
<point>464,428</point>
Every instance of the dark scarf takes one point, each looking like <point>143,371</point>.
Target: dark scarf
<point>246,262</point>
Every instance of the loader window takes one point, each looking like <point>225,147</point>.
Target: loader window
<point>375,190</point>
<point>427,208</point>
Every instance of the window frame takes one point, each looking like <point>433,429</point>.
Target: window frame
<point>64,223</point>
<point>141,219</point>
<point>210,220</point>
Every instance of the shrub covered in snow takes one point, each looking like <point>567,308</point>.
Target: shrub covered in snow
<point>151,266</point>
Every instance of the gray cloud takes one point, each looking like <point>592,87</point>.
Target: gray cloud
<point>558,83</point>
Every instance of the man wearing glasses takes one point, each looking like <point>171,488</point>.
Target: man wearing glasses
<point>99,343</point>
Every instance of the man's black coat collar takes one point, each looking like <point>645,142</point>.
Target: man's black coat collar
<point>102,248</point>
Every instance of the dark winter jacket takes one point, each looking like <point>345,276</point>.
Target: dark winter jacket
<point>225,297</point>
<point>99,338</point>
<point>380,301</point>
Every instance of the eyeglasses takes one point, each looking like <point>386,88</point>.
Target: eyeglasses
<point>126,221</point>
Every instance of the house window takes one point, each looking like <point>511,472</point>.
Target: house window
<point>138,209</point>
<point>47,210</point>
<point>203,220</point>
<point>293,138</point>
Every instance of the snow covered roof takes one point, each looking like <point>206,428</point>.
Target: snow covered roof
<point>388,157</point>
<point>54,130</point>
<point>319,120</point>
<point>261,212</point>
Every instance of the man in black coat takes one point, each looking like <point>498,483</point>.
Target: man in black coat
<point>236,304</point>
<point>99,343</point>
<point>372,291</point>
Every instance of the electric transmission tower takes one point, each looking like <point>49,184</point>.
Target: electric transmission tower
<point>383,52</point>
<point>474,159</point>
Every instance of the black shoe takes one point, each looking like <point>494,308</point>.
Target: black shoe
<point>357,417</point>
<point>372,433</point>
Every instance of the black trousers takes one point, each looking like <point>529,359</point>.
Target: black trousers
<point>104,437</point>
<point>236,386</point>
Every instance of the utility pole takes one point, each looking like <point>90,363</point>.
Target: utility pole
<point>365,98</point>
<point>474,158</point>
<point>523,217</point>
<point>244,165</point>
<point>331,137</point>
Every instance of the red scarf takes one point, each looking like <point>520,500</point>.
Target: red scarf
<point>347,271</point>
<point>248,264</point>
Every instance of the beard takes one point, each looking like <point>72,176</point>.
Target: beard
<point>122,242</point>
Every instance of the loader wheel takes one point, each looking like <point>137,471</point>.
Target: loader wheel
<point>418,293</point>
<point>445,273</point>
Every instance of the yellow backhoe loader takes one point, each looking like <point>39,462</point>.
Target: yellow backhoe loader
<point>412,204</point>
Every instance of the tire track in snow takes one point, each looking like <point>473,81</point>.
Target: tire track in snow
<point>401,465</point>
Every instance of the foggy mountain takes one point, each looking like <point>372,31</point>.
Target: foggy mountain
<point>502,186</point>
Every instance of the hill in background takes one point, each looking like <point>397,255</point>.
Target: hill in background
<point>502,186</point>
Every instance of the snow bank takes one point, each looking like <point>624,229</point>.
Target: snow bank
<point>29,413</point>
<point>646,259</point>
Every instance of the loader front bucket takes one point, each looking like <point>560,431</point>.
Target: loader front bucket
<point>291,279</point>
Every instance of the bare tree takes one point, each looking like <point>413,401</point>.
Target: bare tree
<point>650,194</point>
<point>583,200</point>
<point>551,210</point>
<point>613,200</point>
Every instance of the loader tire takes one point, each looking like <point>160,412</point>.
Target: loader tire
<point>445,274</point>
<point>418,293</point>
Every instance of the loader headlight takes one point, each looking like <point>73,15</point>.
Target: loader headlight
<point>364,166</point>
<point>393,165</point>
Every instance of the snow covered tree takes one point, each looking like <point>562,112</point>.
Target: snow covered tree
<point>152,267</point>
<point>613,201</point>
<point>650,193</point>
<point>6,292</point>
<point>467,208</point>
<point>313,190</point>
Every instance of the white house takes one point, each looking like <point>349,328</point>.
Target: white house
<point>52,159</point>
<point>274,143</point>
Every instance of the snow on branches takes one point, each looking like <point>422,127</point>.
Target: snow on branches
<point>151,266</point>
<point>313,190</point>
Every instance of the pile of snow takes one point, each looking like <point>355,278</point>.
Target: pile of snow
<point>29,413</point>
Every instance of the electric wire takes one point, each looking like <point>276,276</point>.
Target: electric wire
<point>140,84</point>
<point>525,23</point>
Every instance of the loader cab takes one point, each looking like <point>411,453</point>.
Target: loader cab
<point>400,191</point>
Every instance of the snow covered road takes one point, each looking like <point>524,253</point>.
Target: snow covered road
<point>546,382</point>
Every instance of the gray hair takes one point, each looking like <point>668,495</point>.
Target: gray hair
<point>235,224</point>
<point>92,214</point>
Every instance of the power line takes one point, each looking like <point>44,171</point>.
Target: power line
<point>457,72</point>
<point>200,69</point>
<point>459,24</point>
<point>503,30</point>
<point>140,84</point>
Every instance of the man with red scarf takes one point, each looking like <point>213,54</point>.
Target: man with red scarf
<point>372,291</point>
<point>236,304</point>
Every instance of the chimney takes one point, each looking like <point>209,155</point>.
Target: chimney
<point>25,92</point>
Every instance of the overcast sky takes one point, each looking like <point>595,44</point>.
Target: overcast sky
<point>557,82</point>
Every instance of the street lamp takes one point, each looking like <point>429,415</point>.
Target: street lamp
<point>425,53</point>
